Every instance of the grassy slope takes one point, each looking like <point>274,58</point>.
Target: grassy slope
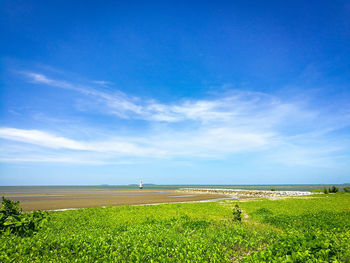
<point>295,230</point>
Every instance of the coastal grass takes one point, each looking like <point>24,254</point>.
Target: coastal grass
<point>303,229</point>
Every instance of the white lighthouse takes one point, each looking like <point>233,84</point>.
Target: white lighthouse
<point>140,186</point>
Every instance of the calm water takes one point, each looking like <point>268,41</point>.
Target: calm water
<point>63,188</point>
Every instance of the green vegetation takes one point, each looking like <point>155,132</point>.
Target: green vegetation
<point>330,190</point>
<point>316,229</point>
<point>13,221</point>
<point>333,189</point>
<point>325,190</point>
<point>286,230</point>
<point>237,213</point>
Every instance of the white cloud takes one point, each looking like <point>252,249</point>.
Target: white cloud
<point>118,103</point>
<point>48,140</point>
<point>216,127</point>
<point>40,78</point>
<point>124,106</point>
<point>40,138</point>
<point>102,82</point>
<point>210,142</point>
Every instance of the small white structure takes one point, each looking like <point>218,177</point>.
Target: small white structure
<point>140,186</point>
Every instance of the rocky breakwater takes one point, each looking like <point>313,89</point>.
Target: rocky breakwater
<point>242,193</point>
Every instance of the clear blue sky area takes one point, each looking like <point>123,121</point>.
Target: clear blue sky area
<point>174,92</point>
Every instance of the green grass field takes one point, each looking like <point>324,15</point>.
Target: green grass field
<point>313,229</point>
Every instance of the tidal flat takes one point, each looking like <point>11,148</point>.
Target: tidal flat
<point>72,197</point>
<point>82,198</point>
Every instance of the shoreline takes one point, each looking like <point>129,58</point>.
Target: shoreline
<point>183,202</point>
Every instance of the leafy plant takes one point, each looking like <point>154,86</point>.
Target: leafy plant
<point>237,214</point>
<point>272,189</point>
<point>346,189</point>
<point>325,190</point>
<point>12,220</point>
<point>333,189</point>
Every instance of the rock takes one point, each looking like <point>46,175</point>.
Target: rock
<point>241,193</point>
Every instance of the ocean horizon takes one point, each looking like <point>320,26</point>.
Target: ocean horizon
<point>102,187</point>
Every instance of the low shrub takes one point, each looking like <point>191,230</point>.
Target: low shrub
<point>237,214</point>
<point>272,189</point>
<point>333,189</point>
<point>346,189</point>
<point>12,220</point>
<point>325,190</point>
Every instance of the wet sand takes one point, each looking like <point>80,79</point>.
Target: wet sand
<point>82,199</point>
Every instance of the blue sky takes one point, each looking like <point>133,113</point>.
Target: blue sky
<point>181,92</point>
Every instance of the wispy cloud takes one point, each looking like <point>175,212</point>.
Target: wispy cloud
<point>288,132</point>
<point>48,140</point>
<point>117,102</point>
<point>211,142</point>
<point>40,138</point>
<point>234,106</point>
<point>102,82</point>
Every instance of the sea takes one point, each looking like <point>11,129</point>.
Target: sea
<point>104,187</point>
